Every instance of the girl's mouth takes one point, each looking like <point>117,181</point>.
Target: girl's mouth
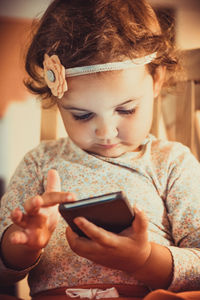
<point>107,146</point>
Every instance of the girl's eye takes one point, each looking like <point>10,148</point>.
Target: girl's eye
<point>126,111</point>
<point>83,117</point>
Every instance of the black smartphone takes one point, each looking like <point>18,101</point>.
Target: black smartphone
<point>110,211</point>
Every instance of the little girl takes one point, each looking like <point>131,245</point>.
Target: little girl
<point>102,62</point>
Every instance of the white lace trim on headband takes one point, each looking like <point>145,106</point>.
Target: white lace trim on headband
<point>113,66</point>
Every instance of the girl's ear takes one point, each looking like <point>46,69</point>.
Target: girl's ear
<point>158,78</point>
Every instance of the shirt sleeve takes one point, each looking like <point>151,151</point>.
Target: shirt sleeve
<point>25,183</point>
<point>183,205</point>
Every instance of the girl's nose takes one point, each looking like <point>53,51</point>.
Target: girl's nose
<point>106,130</point>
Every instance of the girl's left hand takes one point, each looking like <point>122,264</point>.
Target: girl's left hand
<point>127,251</point>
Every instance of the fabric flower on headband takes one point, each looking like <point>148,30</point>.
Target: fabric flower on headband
<point>54,75</point>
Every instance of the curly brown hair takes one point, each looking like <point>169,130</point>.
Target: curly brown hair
<point>86,32</point>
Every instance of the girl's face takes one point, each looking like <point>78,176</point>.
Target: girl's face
<point>111,113</point>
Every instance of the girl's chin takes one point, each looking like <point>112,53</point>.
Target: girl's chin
<point>108,151</point>
<point>114,151</point>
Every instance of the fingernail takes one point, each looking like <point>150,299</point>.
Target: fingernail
<point>69,197</point>
<point>77,221</point>
<point>37,200</point>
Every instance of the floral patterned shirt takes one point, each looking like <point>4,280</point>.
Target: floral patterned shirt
<point>163,179</point>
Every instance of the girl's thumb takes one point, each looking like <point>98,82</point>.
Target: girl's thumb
<point>140,222</point>
<point>53,181</point>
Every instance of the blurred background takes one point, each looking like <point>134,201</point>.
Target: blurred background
<point>21,117</point>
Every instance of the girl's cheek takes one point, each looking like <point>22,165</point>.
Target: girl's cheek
<point>80,131</point>
<point>132,130</point>
<point>127,126</point>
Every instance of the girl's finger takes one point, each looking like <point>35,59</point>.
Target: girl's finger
<point>18,237</point>
<point>96,233</point>
<point>53,198</point>
<point>33,205</point>
<point>140,223</point>
<point>53,181</point>
<point>19,218</point>
<point>16,215</point>
<point>26,220</point>
<point>74,240</point>
<point>53,194</point>
<point>81,245</point>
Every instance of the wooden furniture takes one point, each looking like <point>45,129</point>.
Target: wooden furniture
<point>177,116</point>
<point>188,103</point>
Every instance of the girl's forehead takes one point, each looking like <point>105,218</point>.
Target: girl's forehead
<point>109,86</point>
<point>108,80</point>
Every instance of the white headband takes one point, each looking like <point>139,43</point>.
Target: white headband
<point>113,66</point>
<point>56,75</point>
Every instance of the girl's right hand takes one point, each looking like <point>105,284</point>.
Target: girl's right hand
<point>41,216</point>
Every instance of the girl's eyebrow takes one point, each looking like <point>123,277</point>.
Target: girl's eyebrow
<point>69,107</point>
<point>125,102</point>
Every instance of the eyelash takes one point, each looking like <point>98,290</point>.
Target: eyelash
<point>127,112</point>
<point>88,116</point>
<point>83,117</point>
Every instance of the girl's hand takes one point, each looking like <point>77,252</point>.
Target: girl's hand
<point>127,251</point>
<point>41,215</point>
